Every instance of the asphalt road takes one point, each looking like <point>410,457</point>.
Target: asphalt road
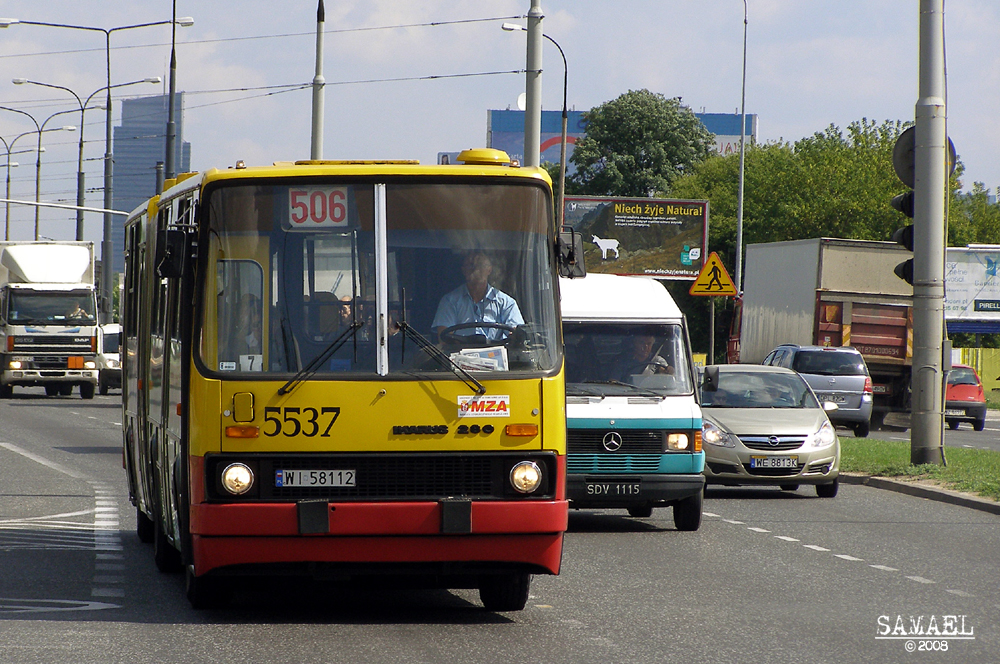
<point>770,577</point>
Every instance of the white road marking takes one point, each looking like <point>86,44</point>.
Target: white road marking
<point>920,579</point>
<point>758,530</point>
<point>959,593</point>
<point>884,568</point>
<point>786,539</point>
<point>735,523</point>
<point>814,547</point>
<point>843,556</point>
<point>42,460</point>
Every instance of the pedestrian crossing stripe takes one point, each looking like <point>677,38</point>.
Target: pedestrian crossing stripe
<point>713,279</point>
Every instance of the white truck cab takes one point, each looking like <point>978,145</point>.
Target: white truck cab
<point>634,423</point>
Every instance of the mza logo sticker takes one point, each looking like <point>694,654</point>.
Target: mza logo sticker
<point>487,405</point>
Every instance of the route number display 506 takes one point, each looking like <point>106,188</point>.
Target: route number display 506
<point>317,207</point>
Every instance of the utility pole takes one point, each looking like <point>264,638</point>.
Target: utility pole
<point>930,182</point>
<point>533,87</point>
<point>319,82</point>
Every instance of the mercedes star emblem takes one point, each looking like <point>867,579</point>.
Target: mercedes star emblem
<point>612,441</point>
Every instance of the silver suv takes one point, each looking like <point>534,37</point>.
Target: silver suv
<point>839,375</point>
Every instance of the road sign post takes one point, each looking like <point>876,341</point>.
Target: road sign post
<point>712,281</point>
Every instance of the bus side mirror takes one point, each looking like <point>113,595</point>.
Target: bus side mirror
<point>710,382</point>
<point>171,248</point>
<point>569,252</point>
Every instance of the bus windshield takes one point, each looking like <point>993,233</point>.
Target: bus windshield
<point>363,277</point>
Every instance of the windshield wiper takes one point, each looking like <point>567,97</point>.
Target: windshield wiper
<point>641,390</point>
<point>441,357</point>
<point>311,368</point>
<point>576,390</point>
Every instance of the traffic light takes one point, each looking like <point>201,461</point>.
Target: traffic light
<point>902,163</point>
<point>904,235</point>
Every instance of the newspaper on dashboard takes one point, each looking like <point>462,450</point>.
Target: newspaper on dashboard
<point>493,358</point>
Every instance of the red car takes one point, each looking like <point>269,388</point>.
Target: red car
<point>965,400</point>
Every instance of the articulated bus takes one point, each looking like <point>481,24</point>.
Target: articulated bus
<point>295,403</point>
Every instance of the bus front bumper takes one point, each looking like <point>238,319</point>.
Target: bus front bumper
<point>457,534</point>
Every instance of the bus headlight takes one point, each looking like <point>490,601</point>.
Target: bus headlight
<point>237,478</point>
<point>525,476</point>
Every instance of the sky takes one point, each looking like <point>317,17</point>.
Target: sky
<point>407,79</point>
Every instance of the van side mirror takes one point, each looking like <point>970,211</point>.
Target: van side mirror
<point>710,382</point>
<point>569,254</point>
<point>171,248</point>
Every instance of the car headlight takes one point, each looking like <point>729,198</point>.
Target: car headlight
<point>237,478</point>
<point>525,476</point>
<point>713,435</point>
<point>824,437</point>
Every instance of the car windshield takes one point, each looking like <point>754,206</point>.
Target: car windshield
<point>739,389</point>
<point>962,376</point>
<point>829,363</point>
<point>607,359</point>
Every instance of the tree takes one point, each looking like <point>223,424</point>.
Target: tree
<point>637,145</point>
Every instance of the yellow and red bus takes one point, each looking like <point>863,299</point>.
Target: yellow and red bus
<point>294,402</point>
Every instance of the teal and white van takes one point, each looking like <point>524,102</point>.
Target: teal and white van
<point>634,423</point>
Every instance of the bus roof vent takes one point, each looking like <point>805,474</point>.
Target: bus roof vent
<point>483,157</point>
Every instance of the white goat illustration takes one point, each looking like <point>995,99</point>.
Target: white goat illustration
<point>606,245</point>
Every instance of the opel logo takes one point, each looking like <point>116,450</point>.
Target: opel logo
<point>612,441</point>
<point>773,441</point>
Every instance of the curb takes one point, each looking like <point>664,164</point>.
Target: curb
<point>930,492</point>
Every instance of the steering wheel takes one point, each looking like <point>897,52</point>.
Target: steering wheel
<point>450,335</point>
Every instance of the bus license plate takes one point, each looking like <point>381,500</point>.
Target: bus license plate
<point>774,462</point>
<point>318,478</point>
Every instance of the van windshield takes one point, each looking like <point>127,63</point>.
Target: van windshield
<point>626,359</point>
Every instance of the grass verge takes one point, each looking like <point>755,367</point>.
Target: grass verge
<point>972,471</point>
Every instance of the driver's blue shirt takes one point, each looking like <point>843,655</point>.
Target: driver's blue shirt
<point>496,307</point>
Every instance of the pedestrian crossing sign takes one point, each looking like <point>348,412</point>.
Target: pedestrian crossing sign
<point>713,279</point>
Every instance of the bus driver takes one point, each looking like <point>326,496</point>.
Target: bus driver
<point>476,301</point>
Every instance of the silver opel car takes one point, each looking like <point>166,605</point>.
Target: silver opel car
<point>764,425</point>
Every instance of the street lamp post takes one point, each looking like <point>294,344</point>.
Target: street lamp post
<point>84,105</point>
<point>11,164</point>
<point>40,129</point>
<point>562,145</point>
<point>106,252</point>
<point>743,127</point>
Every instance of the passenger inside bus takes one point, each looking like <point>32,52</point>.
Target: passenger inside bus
<point>476,301</point>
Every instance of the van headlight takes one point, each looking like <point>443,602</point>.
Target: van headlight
<point>525,476</point>
<point>711,434</point>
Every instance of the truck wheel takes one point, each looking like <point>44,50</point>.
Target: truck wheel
<point>504,592</point>
<point>6,391</point>
<point>66,390</point>
<point>102,386</point>
<point>87,390</point>
<point>51,390</point>
<point>861,430</point>
<point>641,511</point>
<point>687,512</point>
<point>979,425</point>
<point>952,424</point>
